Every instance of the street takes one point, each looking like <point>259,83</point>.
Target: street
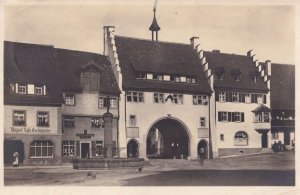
<point>253,170</point>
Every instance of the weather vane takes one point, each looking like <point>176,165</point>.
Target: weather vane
<point>155,3</point>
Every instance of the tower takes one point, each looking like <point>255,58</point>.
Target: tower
<point>154,26</point>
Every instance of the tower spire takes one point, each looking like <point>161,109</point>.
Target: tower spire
<point>154,26</point>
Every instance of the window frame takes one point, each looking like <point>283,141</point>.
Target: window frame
<point>132,123</point>
<point>236,96</point>
<point>68,118</point>
<point>222,137</point>
<point>13,116</point>
<point>23,87</point>
<point>37,119</point>
<point>38,88</point>
<point>66,145</point>
<point>68,103</point>
<point>134,95</point>
<point>202,122</point>
<point>36,147</point>
<point>178,99</point>
<point>160,97</point>
<point>222,96</point>
<point>241,139</point>
<point>96,126</point>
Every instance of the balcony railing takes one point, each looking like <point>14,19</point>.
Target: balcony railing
<point>283,123</point>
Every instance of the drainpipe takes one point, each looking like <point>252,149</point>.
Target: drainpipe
<point>209,132</point>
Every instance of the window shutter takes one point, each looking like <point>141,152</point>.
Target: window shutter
<point>93,148</point>
<point>217,96</point>
<point>219,116</point>
<point>252,98</point>
<point>229,117</point>
<point>78,148</point>
<point>228,96</point>
<point>265,99</point>
<point>241,97</point>
<point>242,117</point>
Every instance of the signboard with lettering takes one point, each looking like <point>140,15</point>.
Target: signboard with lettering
<point>29,130</point>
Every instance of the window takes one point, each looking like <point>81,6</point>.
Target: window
<point>43,119</point>
<point>267,117</point>
<point>190,80</point>
<point>158,77</point>
<point>223,116</point>
<point>202,122</point>
<point>141,75</point>
<point>200,100</point>
<point>22,89</point>
<point>235,97</point>
<point>38,90</point>
<point>41,149</point>
<point>241,139</point>
<point>167,78</point>
<point>247,98</point>
<point>19,118</point>
<point>102,103</point>
<point>257,117</point>
<point>98,148</point>
<point>221,76</point>
<point>178,99</point>
<point>68,148</point>
<point>90,80</point>
<point>222,97</point>
<point>97,122</point>
<point>231,116</point>
<point>69,121</point>
<point>113,102</point>
<point>132,120</point>
<point>135,96</point>
<point>70,100</point>
<point>149,76</point>
<point>175,78</point>
<point>221,137</point>
<point>236,117</point>
<point>275,135</point>
<point>237,78</point>
<point>159,98</point>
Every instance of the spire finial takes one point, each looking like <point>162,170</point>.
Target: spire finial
<point>154,26</point>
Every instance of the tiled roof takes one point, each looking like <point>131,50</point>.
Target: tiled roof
<point>70,62</point>
<point>56,68</point>
<point>30,64</point>
<point>282,87</point>
<point>137,55</point>
<point>261,108</point>
<point>230,63</point>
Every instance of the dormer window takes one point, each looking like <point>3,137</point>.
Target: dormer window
<point>141,75</point>
<point>236,74</point>
<point>262,114</point>
<point>38,90</point>
<point>159,77</point>
<point>254,76</point>
<point>220,72</point>
<point>90,80</point>
<point>22,89</point>
<point>190,80</point>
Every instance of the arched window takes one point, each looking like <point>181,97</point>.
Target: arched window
<point>241,139</point>
<point>41,149</point>
<point>132,149</point>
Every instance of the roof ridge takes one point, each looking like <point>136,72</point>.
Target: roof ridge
<point>149,40</point>
<point>232,54</point>
<point>72,50</point>
<point>35,44</point>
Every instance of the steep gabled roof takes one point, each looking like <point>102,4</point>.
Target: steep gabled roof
<point>72,62</point>
<point>282,86</point>
<point>58,69</point>
<point>261,108</point>
<point>233,62</point>
<point>138,55</point>
<point>30,64</point>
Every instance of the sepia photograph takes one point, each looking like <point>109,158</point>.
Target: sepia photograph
<point>148,93</point>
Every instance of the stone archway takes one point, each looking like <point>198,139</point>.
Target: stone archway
<point>132,149</point>
<point>168,138</point>
<point>203,144</point>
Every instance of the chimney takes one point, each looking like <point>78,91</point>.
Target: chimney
<point>194,42</point>
<point>268,67</point>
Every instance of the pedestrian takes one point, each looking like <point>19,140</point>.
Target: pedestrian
<point>202,153</point>
<point>16,159</point>
<point>275,147</point>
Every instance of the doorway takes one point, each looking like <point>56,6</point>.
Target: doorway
<point>203,144</point>
<point>85,150</point>
<point>10,147</point>
<point>132,149</point>
<point>287,137</point>
<point>264,139</point>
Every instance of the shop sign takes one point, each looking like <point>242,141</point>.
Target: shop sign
<point>28,130</point>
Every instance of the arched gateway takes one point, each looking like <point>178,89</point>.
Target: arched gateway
<point>168,138</point>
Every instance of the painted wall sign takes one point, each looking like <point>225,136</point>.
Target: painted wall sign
<point>28,130</point>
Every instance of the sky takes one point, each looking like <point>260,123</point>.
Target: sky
<point>268,30</point>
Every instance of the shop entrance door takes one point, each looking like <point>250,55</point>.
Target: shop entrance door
<point>85,150</point>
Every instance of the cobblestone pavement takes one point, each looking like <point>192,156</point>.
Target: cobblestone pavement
<point>155,170</point>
